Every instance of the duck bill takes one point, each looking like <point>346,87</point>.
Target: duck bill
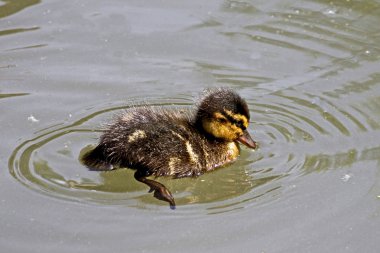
<point>247,140</point>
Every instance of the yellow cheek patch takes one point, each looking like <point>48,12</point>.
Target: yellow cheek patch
<point>211,127</point>
<point>225,130</point>
<point>221,126</point>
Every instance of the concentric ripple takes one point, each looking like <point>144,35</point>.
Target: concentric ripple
<point>290,131</point>
<point>301,122</point>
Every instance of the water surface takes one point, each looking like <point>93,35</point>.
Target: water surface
<point>309,71</point>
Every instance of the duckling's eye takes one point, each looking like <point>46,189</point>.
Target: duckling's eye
<point>240,124</point>
<point>221,120</point>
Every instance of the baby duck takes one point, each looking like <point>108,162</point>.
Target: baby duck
<point>176,143</point>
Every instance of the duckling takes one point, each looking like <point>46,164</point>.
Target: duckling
<point>175,143</point>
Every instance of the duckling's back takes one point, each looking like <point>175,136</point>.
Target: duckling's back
<point>159,142</point>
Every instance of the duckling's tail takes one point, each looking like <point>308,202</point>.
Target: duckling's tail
<point>96,160</point>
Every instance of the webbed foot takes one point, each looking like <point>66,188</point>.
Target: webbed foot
<point>160,191</point>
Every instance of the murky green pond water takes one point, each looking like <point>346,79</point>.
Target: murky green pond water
<point>309,70</point>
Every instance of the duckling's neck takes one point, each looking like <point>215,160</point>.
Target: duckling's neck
<point>217,151</point>
<point>198,124</point>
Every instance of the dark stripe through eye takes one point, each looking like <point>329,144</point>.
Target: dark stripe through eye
<point>222,120</point>
<point>237,123</point>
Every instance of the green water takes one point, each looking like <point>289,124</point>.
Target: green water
<point>309,70</point>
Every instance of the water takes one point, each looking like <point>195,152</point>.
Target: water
<point>309,71</point>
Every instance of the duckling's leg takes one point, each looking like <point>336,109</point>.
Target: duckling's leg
<point>160,191</point>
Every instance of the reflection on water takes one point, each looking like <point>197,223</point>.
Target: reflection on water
<point>18,30</point>
<point>12,95</point>
<point>9,7</point>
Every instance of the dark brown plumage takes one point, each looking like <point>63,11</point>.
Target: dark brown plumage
<point>161,142</point>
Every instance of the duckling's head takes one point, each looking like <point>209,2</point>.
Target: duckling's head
<point>223,114</point>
